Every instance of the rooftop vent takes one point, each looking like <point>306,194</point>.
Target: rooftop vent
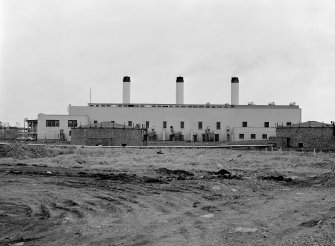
<point>251,103</point>
<point>292,104</point>
<point>272,103</point>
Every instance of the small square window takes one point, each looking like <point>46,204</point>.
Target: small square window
<point>253,136</point>
<point>288,123</point>
<point>244,124</point>
<point>72,123</point>
<point>52,123</point>
<point>264,136</point>
<point>164,124</point>
<point>266,124</point>
<point>95,122</point>
<point>200,125</point>
<point>241,136</point>
<point>182,125</point>
<point>218,125</point>
<point>300,145</point>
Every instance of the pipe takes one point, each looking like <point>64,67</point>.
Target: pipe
<point>126,90</point>
<point>234,91</point>
<point>180,90</point>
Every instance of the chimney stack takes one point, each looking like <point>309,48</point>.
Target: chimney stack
<point>234,91</point>
<point>180,90</point>
<point>126,90</point>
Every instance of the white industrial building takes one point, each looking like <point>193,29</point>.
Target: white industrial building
<point>226,122</point>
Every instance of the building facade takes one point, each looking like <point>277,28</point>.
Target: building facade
<point>240,122</point>
<point>58,127</point>
<point>225,122</point>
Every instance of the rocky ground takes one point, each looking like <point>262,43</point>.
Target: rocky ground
<point>126,196</point>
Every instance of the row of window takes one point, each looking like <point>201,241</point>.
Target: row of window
<point>182,125</point>
<point>74,123</point>
<point>200,124</point>
<point>253,136</point>
<point>55,123</point>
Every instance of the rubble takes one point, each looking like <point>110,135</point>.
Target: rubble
<point>22,151</point>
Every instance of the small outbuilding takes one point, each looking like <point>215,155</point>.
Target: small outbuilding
<point>107,134</point>
<point>307,135</point>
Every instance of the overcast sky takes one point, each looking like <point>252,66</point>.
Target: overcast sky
<point>53,51</point>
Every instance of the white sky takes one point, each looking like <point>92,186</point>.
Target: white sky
<point>53,51</point>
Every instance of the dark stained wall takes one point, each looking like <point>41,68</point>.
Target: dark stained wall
<point>9,134</point>
<point>106,136</point>
<point>311,137</point>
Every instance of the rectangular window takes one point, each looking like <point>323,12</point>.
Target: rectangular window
<point>130,123</point>
<point>147,125</point>
<point>72,123</point>
<point>95,122</point>
<point>266,124</point>
<point>264,136</point>
<point>288,123</point>
<point>70,133</point>
<point>200,125</point>
<point>164,124</point>
<point>52,123</point>
<point>241,136</point>
<point>218,125</point>
<point>182,125</point>
<point>253,136</point>
<point>244,124</point>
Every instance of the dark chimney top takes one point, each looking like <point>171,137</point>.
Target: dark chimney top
<point>126,79</point>
<point>180,80</point>
<point>234,80</point>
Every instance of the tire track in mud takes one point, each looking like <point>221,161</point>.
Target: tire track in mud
<point>149,204</point>
<point>89,208</point>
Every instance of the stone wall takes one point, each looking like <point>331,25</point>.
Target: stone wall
<point>106,136</point>
<point>9,134</point>
<point>309,137</point>
<point>279,141</point>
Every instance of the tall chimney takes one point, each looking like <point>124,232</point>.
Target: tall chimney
<point>234,91</point>
<point>126,90</point>
<point>180,90</point>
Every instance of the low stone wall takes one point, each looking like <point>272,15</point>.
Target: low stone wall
<point>8,134</point>
<point>308,137</point>
<point>106,136</point>
<point>279,141</point>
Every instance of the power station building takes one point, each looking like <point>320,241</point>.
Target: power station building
<point>194,122</point>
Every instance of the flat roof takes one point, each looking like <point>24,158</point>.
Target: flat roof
<point>152,105</point>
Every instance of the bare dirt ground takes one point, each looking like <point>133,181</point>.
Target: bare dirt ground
<point>166,197</point>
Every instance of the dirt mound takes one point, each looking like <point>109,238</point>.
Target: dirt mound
<point>22,151</point>
<point>177,174</point>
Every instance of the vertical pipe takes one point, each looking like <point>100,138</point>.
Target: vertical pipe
<point>126,90</point>
<point>234,91</point>
<point>180,90</point>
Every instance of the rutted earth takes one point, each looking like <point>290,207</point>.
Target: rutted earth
<point>180,197</point>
